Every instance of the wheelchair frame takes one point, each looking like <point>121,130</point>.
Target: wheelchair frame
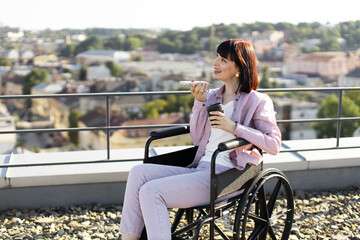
<point>250,204</point>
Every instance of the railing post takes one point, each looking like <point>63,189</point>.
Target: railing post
<point>338,128</point>
<point>107,125</point>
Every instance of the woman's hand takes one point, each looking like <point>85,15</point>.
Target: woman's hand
<point>199,91</point>
<point>221,121</point>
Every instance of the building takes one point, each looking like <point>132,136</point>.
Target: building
<point>4,70</point>
<point>133,138</point>
<point>351,79</point>
<point>13,85</point>
<point>26,55</point>
<point>264,42</point>
<point>7,123</point>
<point>101,56</point>
<point>119,138</point>
<point>289,108</point>
<point>11,54</point>
<point>97,118</point>
<point>15,35</point>
<point>98,72</point>
<point>42,106</point>
<point>46,60</point>
<point>144,133</point>
<point>326,64</point>
<point>309,44</point>
<point>303,110</point>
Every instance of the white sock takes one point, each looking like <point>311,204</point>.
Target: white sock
<point>128,236</point>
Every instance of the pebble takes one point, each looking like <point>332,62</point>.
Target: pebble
<point>318,215</point>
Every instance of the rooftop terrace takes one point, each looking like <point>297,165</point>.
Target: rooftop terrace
<point>52,182</point>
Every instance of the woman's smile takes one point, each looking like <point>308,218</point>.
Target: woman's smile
<point>224,69</point>
<point>217,71</point>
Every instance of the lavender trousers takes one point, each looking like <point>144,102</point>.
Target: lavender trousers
<point>151,189</point>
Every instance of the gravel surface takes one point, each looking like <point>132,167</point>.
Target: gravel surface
<point>318,215</point>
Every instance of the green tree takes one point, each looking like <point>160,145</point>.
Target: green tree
<point>83,73</point>
<point>175,102</point>
<point>165,45</point>
<point>66,70</point>
<point>137,58</point>
<point>212,43</point>
<point>353,95</point>
<point>329,109</point>
<point>115,43</point>
<point>330,44</point>
<point>36,76</point>
<point>172,103</point>
<point>116,70</point>
<point>68,51</point>
<point>315,49</point>
<point>4,62</point>
<point>74,117</point>
<point>153,109</point>
<point>275,83</point>
<point>132,43</point>
<point>93,42</point>
<point>185,101</point>
<point>265,76</point>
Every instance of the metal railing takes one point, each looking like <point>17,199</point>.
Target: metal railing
<point>109,128</point>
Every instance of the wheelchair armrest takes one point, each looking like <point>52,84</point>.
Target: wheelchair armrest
<point>170,132</point>
<point>231,144</point>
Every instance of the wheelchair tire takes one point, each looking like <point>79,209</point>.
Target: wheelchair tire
<point>261,216</point>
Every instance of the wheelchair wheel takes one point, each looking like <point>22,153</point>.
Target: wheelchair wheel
<point>267,208</point>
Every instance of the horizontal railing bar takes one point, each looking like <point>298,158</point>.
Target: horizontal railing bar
<point>317,149</point>
<point>160,126</point>
<point>91,128</point>
<point>169,92</point>
<point>317,120</point>
<point>132,160</point>
<point>308,89</point>
<point>111,94</point>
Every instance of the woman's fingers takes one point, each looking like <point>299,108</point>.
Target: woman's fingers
<point>219,120</point>
<point>199,91</point>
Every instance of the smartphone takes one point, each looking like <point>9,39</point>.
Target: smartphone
<point>189,83</point>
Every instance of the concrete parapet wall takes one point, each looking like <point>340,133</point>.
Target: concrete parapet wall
<point>72,184</point>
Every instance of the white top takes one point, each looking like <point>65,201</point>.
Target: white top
<point>217,136</point>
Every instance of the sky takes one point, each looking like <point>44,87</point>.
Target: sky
<point>171,14</point>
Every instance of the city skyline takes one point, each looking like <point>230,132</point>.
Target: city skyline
<point>44,14</point>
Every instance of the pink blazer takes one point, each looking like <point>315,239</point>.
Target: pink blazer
<point>255,118</point>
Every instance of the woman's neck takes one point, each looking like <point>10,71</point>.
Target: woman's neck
<point>229,92</point>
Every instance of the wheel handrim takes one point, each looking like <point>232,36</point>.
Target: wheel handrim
<point>260,211</point>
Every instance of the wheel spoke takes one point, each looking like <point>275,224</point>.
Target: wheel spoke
<point>273,197</point>
<point>257,231</point>
<point>271,233</point>
<point>256,218</point>
<point>223,235</point>
<point>263,205</point>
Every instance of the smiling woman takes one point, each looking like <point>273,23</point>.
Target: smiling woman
<point>152,189</point>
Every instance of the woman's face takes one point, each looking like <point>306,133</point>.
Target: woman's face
<point>224,69</point>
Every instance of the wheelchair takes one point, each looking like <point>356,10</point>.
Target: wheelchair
<point>254,203</point>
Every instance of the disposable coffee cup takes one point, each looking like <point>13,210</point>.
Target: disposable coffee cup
<point>215,107</point>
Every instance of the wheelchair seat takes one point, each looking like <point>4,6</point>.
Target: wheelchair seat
<point>253,203</point>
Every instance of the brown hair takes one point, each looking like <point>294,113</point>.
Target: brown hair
<point>242,53</point>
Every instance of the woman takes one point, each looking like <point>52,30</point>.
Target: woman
<point>152,189</point>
